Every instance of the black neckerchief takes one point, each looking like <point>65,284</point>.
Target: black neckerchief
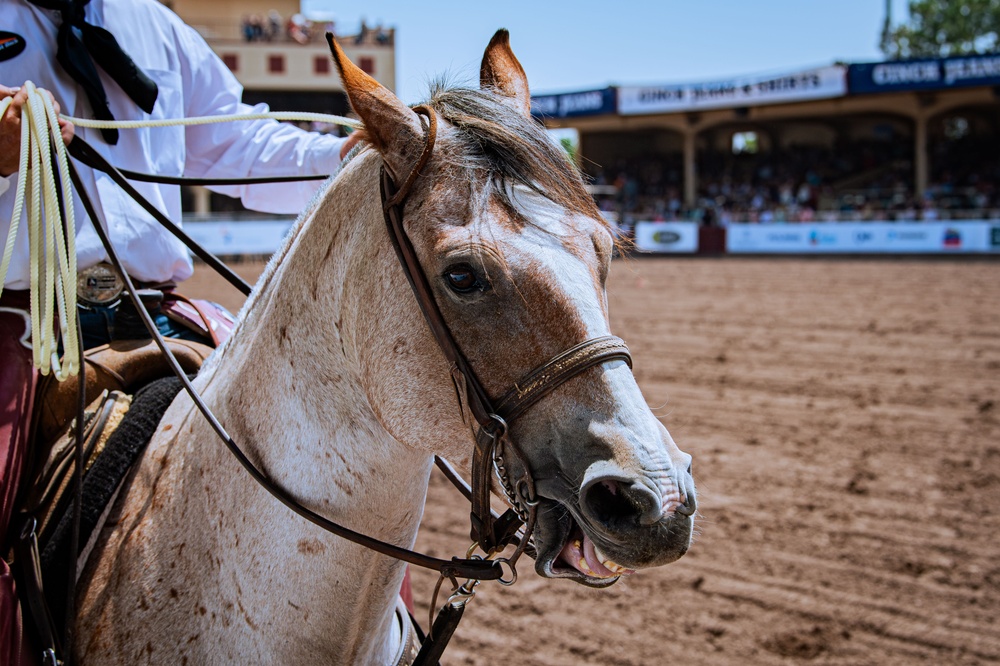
<point>81,45</point>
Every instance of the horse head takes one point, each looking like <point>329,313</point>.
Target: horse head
<point>517,256</point>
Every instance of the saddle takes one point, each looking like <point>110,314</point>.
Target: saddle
<point>128,386</point>
<point>121,365</point>
<point>114,372</point>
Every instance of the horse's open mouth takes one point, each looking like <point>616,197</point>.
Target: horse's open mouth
<point>568,547</point>
<point>581,554</point>
<point>567,552</point>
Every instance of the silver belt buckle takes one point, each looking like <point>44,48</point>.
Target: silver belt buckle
<point>99,285</point>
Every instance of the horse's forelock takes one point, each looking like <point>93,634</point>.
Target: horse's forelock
<point>511,148</point>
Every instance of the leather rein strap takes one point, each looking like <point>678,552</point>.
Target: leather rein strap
<point>471,568</point>
<point>493,442</point>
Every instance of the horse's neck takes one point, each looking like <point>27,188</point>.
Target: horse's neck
<point>292,393</point>
<point>310,587</point>
<point>286,389</point>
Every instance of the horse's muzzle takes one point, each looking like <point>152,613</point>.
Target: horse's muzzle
<point>617,526</point>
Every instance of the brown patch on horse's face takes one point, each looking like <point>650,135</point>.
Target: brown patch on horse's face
<point>540,289</point>
<point>523,315</point>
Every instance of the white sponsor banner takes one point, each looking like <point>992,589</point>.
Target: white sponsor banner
<point>751,91</point>
<point>666,236</point>
<point>239,237</point>
<point>952,237</point>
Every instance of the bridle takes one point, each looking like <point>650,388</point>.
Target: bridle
<point>495,452</point>
<point>494,447</point>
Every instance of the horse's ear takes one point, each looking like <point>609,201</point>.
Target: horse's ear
<point>503,74</point>
<point>392,127</point>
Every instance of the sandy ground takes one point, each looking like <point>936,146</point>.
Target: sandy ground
<point>844,418</point>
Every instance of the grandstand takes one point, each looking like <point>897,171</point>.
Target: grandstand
<point>891,141</point>
<point>896,142</point>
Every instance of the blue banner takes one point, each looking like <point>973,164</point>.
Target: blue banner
<point>568,105</point>
<point>927,74</point>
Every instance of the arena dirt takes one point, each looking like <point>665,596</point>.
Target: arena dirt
<point>844,418</point>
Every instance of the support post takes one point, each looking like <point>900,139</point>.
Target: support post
<point>921,159</point>
<point>202,200</point>
<point>690,170</point>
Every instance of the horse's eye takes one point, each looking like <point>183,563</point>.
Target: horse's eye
<point>462,279</point>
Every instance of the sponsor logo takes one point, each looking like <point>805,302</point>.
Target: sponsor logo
<point>570,104</point>
<point>899,74</point>
<point>964,69</point>
<point>952,238</point>
<point>712,92</point>
<point>820,238</point>
<point>11,45</point>
<point>665,237</point>
<point>994,236</point>
<point>580,103</point>
<point>804,81</point>
<point>862,237</point>
<point>654,95</point>
<point>785,237</point>
<point>907,235</point>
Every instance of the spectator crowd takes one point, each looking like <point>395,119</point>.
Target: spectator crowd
<point>857,181</point>
<point>297,28</point>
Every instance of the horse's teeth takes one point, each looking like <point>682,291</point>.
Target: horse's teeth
<point>609,564</point>
<point>585,567</point>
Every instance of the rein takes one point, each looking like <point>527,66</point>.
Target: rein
<point>468,568</point>
<point>495,450</point>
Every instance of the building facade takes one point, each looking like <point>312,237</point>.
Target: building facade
<point>282,59</point>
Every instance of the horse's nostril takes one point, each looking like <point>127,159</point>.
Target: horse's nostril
<point>689,506</point>
<point>612,503</point>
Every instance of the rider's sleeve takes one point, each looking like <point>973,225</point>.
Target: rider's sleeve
<point>252,148</point>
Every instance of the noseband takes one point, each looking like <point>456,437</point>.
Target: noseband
<point>495,451</point>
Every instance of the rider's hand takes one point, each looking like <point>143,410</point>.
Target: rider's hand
<point>10,127</point>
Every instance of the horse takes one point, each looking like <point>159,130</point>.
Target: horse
<point>333,385</point>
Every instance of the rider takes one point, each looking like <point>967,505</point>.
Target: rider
<point>124,59</point>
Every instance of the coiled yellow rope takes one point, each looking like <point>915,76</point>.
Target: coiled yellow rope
<point>52,269</point>
<point>51,240</point>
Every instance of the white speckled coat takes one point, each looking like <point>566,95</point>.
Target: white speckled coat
<point>333,385</point>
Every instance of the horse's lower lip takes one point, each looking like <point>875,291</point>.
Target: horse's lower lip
<point>580,554</point>
<point>557,529</point>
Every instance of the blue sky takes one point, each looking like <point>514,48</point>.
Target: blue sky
<point>579,44</point>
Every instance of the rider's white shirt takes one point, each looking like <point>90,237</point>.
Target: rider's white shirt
<point>192,81</point>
